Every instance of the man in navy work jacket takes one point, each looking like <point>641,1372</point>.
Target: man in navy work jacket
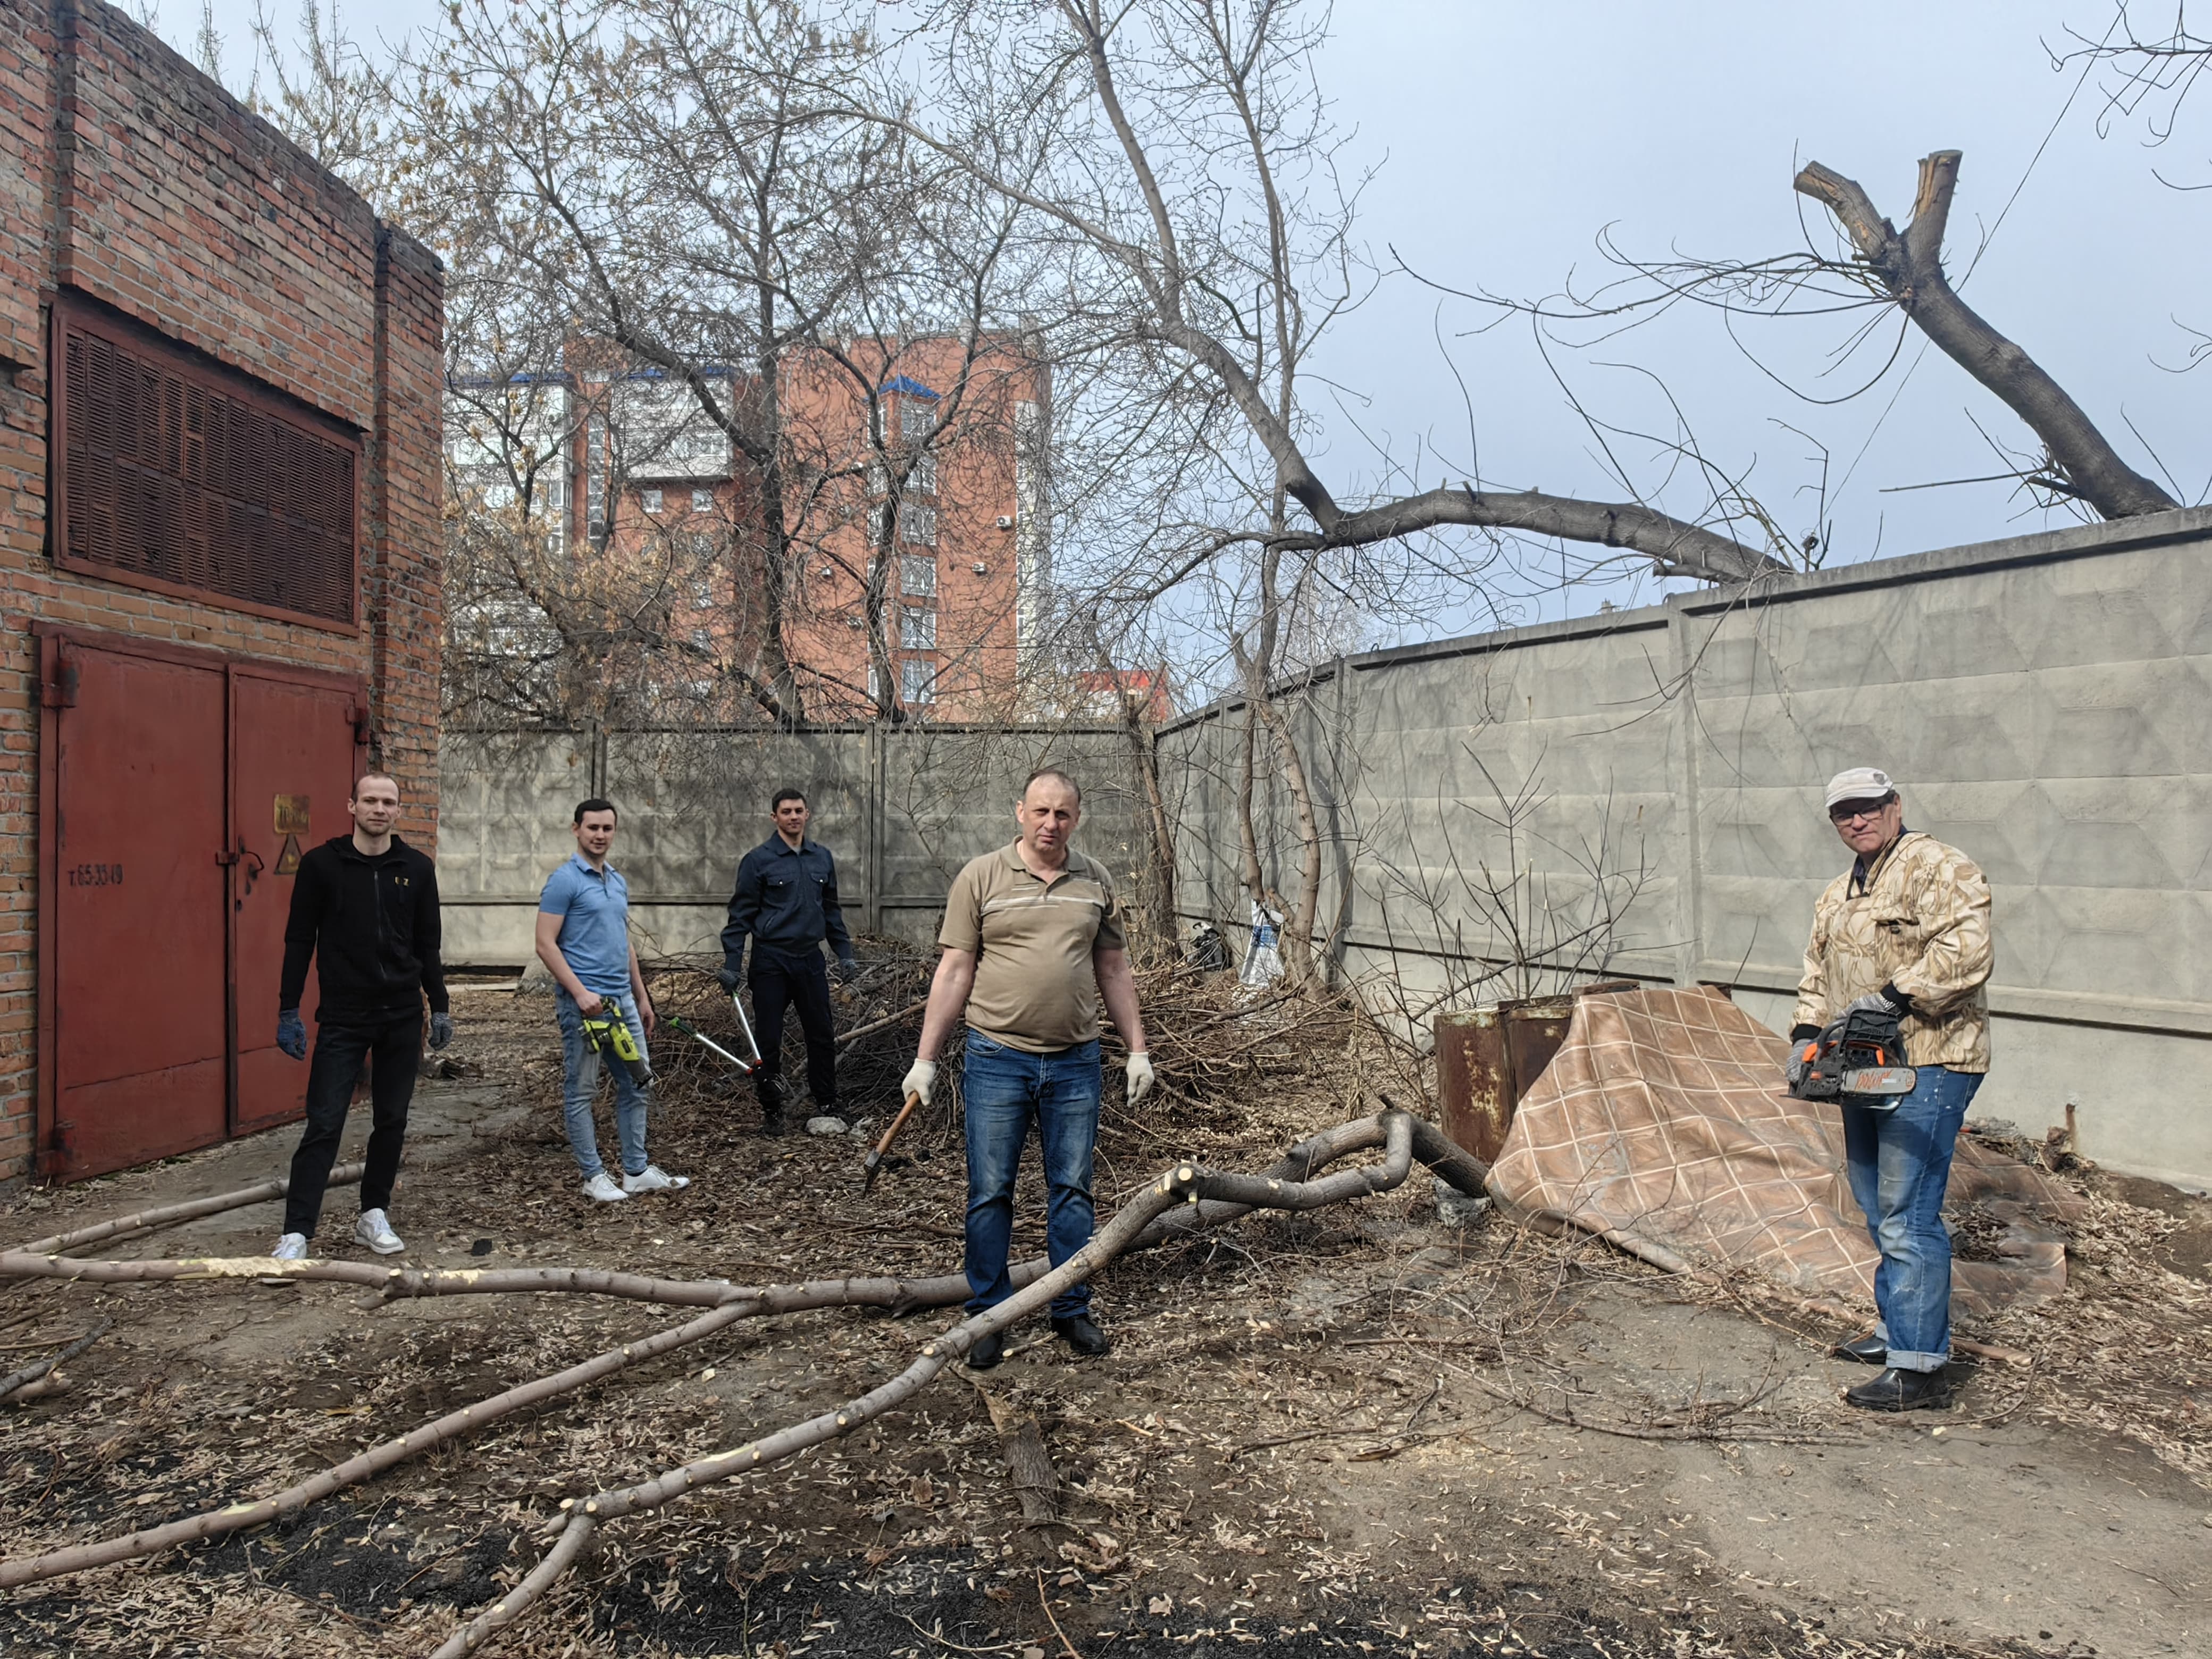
<point>786,900</point>
<point>583,939</point>
<point>365,910</point>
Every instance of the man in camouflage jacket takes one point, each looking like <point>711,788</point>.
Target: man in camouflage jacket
<point>1907,927</point>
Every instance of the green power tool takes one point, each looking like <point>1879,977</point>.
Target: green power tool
<point>608,1033</point>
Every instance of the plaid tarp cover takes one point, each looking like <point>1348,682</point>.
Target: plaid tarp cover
<point>1663,1125</point>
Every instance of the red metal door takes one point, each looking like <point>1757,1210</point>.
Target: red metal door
<point>138,977</point>
<point>292,749</point>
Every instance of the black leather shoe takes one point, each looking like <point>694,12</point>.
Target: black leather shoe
<point>1901,1391</point>
<point>1868,1350</point>
<point>1080,1335</point>
<point>773,1122</point>
<point>988,1352</point>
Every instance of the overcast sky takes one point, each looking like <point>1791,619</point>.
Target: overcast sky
<point>1508,135</point>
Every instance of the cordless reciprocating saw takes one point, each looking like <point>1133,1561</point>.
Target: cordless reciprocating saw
<point>608,1033</point>
<point>1863,1054</point>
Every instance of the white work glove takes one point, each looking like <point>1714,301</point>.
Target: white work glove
<point>1140,1076</point>
<point>920,1079</point>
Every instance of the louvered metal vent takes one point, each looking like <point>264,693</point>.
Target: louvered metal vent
<point>183,475</point>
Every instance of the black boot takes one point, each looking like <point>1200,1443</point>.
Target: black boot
<point>1080,1335</point>
<point>1868,1350</point>
<point>988,1352</point>
<point>771,1105</point>
<point>1901,1391</point>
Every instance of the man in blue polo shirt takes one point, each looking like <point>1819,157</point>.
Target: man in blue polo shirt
<point>583,938</point>
<point>785,901</point>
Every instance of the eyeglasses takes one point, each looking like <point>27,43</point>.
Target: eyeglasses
<point>1850,810</point>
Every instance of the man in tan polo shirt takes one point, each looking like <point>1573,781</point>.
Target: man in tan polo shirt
<point>1033,943</point>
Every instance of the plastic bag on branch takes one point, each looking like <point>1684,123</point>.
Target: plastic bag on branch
<point>1263,956</point>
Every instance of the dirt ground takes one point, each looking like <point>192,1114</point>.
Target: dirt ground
<point>1361,1430</point>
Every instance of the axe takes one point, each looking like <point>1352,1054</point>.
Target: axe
<point>873,1163</point>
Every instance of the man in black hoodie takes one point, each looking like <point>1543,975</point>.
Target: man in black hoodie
<point>365,907</point>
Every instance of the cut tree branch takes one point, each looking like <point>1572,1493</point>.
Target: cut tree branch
<point>30,1374</point>
<point>1910,268</point>
<point>1187,1183</point>
<point>146,1221</point>
<point>1675,548</point>
<point>732,1302</point>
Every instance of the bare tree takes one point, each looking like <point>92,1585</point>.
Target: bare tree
<point>1180,154</point>
<point>656,169</point>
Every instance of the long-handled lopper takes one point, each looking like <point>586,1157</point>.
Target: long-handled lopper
<point>873,1165</point>
<point>737,1002</point>
<point>678,1023</point>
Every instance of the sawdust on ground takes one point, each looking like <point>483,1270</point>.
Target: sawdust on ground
<point>1341,1433</point>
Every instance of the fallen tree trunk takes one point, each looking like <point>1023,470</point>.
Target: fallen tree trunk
<point>236,1517</point>
<point>1187,1183</point>
<point>727,1303</point>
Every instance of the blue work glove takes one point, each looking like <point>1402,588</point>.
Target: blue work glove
<point>730,977</point>
<point>441,1030</point>
<point>848,969</point>
<point>292,1033</point>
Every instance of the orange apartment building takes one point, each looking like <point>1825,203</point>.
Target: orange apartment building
<point>962,560</point>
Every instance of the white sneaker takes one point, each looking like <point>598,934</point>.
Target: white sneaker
<point>654,1179</point>
<point>373,1230</point>
<point>292,1247</point>
<point>601,1187</point>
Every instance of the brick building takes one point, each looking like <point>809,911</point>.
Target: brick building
<point>219,485</point>
<point>647,484</point>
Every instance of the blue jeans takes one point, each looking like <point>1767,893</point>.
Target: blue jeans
<point>580,1082</point>
<point>1899,1162</point>
<point>1006,1088</point>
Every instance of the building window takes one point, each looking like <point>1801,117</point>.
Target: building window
<point>652,500</point>
<point>701,639</point>
<point>917,629</point>
<point>702,596</point>
<point>917,577</point>
<point>918,680</point>
<point>702,501</point>
<point>917,526</point>
<point>917,417</point>
<point>595,471</point>
<point>923,479</point>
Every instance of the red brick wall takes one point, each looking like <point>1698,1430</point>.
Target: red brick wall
<point>128,175</point>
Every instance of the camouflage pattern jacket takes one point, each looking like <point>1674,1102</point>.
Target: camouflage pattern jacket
<point>1919,921</point>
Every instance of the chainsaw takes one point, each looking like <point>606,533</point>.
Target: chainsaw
<point>1860,1054</point>
<point>608,1033</point>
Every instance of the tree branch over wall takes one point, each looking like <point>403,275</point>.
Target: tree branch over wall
<point>1910,267</point>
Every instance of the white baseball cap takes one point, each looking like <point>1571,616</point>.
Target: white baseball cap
<point>1859,783</point>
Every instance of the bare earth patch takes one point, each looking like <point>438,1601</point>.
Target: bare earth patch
<point>1360,1430</point>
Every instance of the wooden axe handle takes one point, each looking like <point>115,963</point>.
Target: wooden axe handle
<point>897,1123</point>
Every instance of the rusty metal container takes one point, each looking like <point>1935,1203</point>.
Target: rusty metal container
<point>1473,1082</point>
<point>1489,1058</point>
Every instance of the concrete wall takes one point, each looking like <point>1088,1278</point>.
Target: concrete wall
<point>1638,793</point>
<point>901,810</point>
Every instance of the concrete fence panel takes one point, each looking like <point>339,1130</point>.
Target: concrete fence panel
<point>1638,793</point>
